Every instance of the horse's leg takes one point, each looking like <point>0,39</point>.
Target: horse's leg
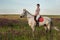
<point>33,30</point>
<point>46,29</point>
<point>32,25</point>
<point>45,26</point>
<point>51,34</point>
<point>50,31</point>
<point>49,27</point>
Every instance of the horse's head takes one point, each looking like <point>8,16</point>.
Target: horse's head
<point>23,13</point>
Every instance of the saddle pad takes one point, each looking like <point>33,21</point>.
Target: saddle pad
<point>41,19</point>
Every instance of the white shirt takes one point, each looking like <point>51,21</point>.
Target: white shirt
<point>37,11</point>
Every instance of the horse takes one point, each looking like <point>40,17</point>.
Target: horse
<point>47,23</point>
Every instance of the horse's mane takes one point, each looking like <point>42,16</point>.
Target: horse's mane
<point>29,12</point>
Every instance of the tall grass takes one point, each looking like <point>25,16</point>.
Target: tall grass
<point>17,28</point>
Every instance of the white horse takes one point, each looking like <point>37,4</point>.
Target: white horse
<point>47,23</point>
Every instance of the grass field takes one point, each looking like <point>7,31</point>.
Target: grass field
<point>12,27</point>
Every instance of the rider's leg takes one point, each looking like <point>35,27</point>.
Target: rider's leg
<point>37,23</point>
<point>35,18</point>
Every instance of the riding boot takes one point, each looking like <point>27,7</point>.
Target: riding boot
<point>37,23</point>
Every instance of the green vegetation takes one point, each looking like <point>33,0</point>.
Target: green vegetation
<point>12,27</point>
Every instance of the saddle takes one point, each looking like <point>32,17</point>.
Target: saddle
<point>40,19</point>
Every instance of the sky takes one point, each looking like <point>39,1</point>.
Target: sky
<point>47,7</point>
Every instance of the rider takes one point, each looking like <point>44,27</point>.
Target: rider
<point>37,13</point>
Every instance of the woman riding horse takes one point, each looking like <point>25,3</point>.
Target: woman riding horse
<point>36,14</point>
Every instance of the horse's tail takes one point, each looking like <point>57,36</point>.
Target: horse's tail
<point>54,27</point>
